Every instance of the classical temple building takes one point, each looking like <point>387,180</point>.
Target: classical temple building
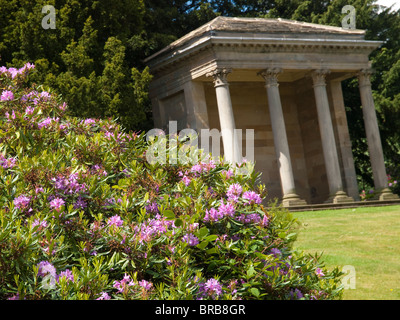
<point>281,78</point>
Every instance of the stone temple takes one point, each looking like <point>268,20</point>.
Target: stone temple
<point>282,79</point>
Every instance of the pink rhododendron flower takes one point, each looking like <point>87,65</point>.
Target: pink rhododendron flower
<point>190,239</point>
<point>67,274</point>
<point>213,286</point>
<point>319,272</point>
<point>29,110</point>
<point>57,203</point>
<point>7,163</point>
<point>104,296</point>
<point>226,209</point>
<point>146,285</point>
<point>212,215</point>
<point>124,284</point>
<point>45,268</point>
<point>46,122</point>
<point>7,95</point>
<point>186,180</point>
<point>252,197</point>
<point>115,221</point>
<point>234,192</point>
<point>21,202</point>
<point>41,223</point>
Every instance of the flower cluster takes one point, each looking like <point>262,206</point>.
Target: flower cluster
<point>190,239</point>
<point>7,163</point>
<point>13,72</point>
<point>234,192</point>
<point>56,204</point>
<point>126,285</point>
<point>252,197</point>
<point>7,95</point>
<point>211,288</point>
<point>115,221</point>
<point>393,185</point>
<point>392,182</point>
<point>197,170</point>
<point>224,210</point>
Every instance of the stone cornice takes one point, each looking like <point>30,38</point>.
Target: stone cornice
<point>167,59</point>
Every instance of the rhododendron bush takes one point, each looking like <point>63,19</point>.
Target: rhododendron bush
<point>84,215</point>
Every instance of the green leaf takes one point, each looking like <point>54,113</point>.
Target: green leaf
<point>178,222</point>
<point>202,233</point>
<point>202,245</point>
<point>250,271</point>
<point>212,250</point>
<point>282,235</point>
<point>211,237</point>
<point>255,292</point>
<point>169,214</point>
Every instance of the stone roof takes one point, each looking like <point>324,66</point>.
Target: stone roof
<point>272,28</point>
<point>263,25</point>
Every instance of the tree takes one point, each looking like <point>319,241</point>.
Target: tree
<point>84,58</point>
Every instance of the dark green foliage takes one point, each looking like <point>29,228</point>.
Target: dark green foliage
<point>85,58</point>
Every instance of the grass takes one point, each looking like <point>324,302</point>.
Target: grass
<point>367,238</point>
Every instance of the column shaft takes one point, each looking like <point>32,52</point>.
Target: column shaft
<point>226,117</point>
<point>328,139</point>
<point>290,197</point>
<point>344,142</point>
<point>373,136</point>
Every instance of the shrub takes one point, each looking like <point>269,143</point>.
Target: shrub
<point>393,185</point>
<point>85,216</point>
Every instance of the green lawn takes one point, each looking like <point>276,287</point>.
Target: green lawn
<point>367,238</point>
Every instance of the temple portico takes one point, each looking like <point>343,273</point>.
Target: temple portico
<point>282,79</point>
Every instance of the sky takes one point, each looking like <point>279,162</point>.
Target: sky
<point>388,3</point>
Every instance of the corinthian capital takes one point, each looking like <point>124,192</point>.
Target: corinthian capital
<point>270,76</point>
<point>364,77</point>
<point>319,77</point>
<point>219,76</point>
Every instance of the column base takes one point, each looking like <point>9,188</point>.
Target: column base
<point>386,194</point>
<point>292,199</point>
<point>339,197</point>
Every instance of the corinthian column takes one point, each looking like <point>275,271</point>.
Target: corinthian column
<point>373,137</point>
<point>328,139</point>
<point>290,198</point>
<point>225,112</point>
